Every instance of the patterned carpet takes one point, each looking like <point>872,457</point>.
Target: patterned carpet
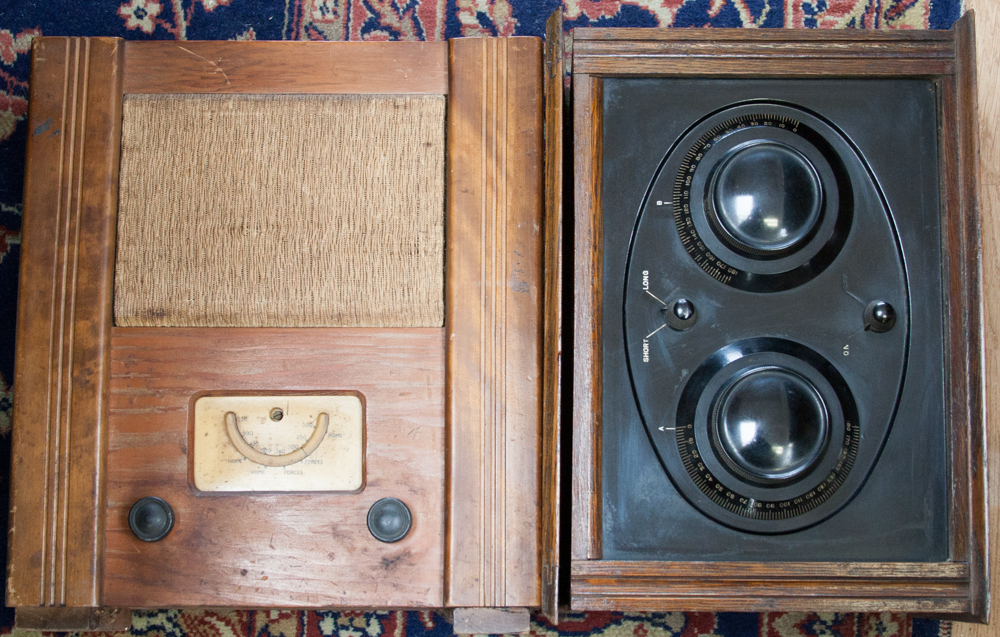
<point>22,20</point>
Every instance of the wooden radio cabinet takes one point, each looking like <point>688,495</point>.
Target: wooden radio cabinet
<point>777,374</point>
<point>299,293</point>
<point>310,298</point>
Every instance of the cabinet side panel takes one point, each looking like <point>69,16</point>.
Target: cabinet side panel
<point>987,18</point>
<point>970,251</point>
<point>64,318</point>
<point>551,430</point>
<point>493,318</point>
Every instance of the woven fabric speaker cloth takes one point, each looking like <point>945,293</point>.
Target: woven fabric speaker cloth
<point>281,211</point>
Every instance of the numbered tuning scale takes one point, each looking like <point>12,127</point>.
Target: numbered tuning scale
<point>766,319</point>
<point>279,443</point>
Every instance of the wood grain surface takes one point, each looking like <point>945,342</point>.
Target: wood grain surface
<point>756,586</point>
<point>73,619</point>
<point>286,67</point>
<point>988,64</point>
<point>551,446</point>
<point>788,53</point>
<point>265,550</point>
<point>587,307</point>
<point>64,321</point>
<point>493,318</point>
<point>967,382</point>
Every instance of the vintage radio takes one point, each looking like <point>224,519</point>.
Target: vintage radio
<point>285,331</point>
<point>291,315</point>
<point>778,367</point>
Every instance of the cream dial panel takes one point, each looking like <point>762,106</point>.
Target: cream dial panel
<point>278,443</point>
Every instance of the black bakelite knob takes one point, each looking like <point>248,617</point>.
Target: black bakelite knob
<point>879,316</point>
<point>767,198</point>
<point>681,315</point>
<point>389,520</point>
<point>771,424</point>
<point>151,519</point>
<point>683,309</point>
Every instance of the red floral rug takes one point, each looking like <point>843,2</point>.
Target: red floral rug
<point>263,623</point>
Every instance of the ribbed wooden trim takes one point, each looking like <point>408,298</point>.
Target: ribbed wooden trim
<point>789,53</point>
<point>64,321</point>
<point>493,321</point>
<point>922,39</point>
<point>754,586</point>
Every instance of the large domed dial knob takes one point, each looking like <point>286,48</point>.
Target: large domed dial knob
<point>767,198</point>
<point>771,424</point>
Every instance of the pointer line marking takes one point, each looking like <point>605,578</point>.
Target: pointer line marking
<point>654,296</point>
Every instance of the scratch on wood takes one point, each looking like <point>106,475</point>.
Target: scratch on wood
<point>218,69</point>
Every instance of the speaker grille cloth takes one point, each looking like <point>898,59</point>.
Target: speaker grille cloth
<point>283,211</point>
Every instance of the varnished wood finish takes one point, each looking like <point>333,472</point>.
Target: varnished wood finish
<point>286,67</point>
<point>988,54</point>
<point>64,320</point>
<point>967,381</point>
<point>587,98</point>
<point>266,550</point>
<point>493,318</point>
<point>957,588</point>
<point>786,53</point>
<point>73,619</point>
<point>786,586</point>
<point>549,523</point>
<point>133,389</point>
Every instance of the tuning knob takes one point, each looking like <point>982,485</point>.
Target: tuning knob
<point>151,519</point>
<point>389,520</point>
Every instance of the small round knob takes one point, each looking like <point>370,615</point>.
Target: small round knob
<point>151,519</point>
<point>681,315</point>
<point>683,309</point>
<point>879,316</point>
<point>389,520</point>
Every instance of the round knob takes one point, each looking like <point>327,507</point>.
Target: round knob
<point>681,315</point>
<point>767,198</point>
<point>879,316</point>
<point>683,309</point>
<point>772,424</point>
<point>389,520</point>
<point>151,519</point>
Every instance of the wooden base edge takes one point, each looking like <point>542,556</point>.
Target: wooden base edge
<point>73,619</point>
<point>491,621</point>
<point>943,588</point>
<point>941,609</point>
